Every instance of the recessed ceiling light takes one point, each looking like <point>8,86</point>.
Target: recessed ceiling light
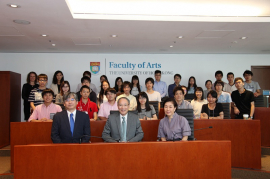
<point>53,45</point>
<point>171,46</point>
<point>13,5</point>
<point>113,35</point>
<point>22,22</point>
<point>44,35</point>
<point>180,37</point>
<point>243,38</point>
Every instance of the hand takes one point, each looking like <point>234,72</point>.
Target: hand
<point>92,120</point>
<point>249,118</point>
<point>236,110</point>
<point>142,119</point>
<point>43,119</point>
<point>256,94</point>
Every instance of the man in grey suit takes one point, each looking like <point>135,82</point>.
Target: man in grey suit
<point>123,126</point>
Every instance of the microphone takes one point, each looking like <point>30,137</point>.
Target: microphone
<point>210,127</point>
<point>88,136</point>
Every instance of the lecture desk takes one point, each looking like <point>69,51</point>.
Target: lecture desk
<point>192,159</point>
<point>244,136</point>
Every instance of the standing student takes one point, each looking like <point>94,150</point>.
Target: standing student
<point>35,97</point>
<point>145,110</point>
<point>208,85</point>
<point>64,89</point>
<point>87,81</point>
<point>250,85</point>
<point>160,86</point>
<point>102,78</point>
<point>219,76</point>
<point>87,106</point>
<point>118,86</point>
<point>152,95</point>
<point>185,90</point>
<point>101,96</point>
<point>191,85</point>
<point>27,87</point>
<point>231,85</point>
<point>106,107</point>
<point>136,88</point>
<point>197,102</point>
<point>130,97</point>
<point>58,78</point>
<point>92,86</point>
<point>177,80</point>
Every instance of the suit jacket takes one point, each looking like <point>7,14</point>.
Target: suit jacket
<point>61,128</point>
<point>112,129</point>
<point>92,96</point>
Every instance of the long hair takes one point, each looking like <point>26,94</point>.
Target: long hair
<point>194,85</point>
<point>116,86</point>
<point>147,106</point>
<point>28,77</point>
<point>102,92</point>
<point>62,85</point>
<point>135,77</point>
<point>55,78</point>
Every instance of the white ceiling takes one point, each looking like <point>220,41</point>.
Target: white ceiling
<point>52,17</point>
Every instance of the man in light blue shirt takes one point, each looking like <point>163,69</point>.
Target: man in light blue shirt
<point>160,86</point>
<point>223,97</point>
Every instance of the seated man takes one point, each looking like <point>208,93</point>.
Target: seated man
<point>242,100</point>
<point>223,97</point>
<point>177,79</point>
<point>123,126</point>
<point>87,106</point>
<point>130,97</point>
<point>44,112</point>
<point>105,108</point>
<point>35,97</point>
<point>63,126</point>
<point>250,85</point>
<point>178,93</point>
<point>92,96</point>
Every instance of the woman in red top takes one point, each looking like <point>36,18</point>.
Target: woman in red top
<point>87,106</point>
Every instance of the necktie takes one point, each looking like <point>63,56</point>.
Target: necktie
<point>71,121</point>
<point>124,129</point>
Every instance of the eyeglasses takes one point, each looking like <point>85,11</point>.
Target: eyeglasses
<point>70,99</point>
<point>42,80</point>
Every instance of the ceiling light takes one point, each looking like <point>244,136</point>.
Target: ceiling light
<point>180,37</point>
<point>243,38</point>
<point>113,35</point>
<point>53,45</point>
<point>44,35</point>
<point>171,46</point>
<point>21,22</point>
<point>13,5</point>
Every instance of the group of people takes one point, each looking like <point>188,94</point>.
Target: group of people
<point>92,103</point>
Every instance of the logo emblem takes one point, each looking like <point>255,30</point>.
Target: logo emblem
<point>95,67</point>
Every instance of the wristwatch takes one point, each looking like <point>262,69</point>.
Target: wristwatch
<point>251,117</point>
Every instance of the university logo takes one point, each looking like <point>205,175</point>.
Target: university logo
<point>95,67</point>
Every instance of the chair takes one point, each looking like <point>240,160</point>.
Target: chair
<point>260,101</point>
<point>116,111</point>
<point>156,105</point>
<point>188,114</point>
<point>226,110</point>
<point>189,97</point>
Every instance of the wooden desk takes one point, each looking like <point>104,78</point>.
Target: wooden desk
<point>195,159</point>
<point>245,136</point>
<point>263,114</point>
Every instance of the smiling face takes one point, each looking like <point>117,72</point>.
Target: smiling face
<point>211,99</point>
<point>110,96</point>
<point>198,94</point>
<point>208,85</point>
<point>48,97</point>
<point>142,100</point>
<point>169,108</point>
<point>70,103</point>
<point>123,106</point>
<point>65,88</point>
<point>105,86</point>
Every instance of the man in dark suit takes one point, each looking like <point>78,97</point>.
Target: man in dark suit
<point>70,125</point>
<point>123,126</point>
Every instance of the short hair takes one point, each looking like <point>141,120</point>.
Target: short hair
<point>69,95</point>
<point>126,83</point>
<point>111,90</point>
<point>219,82</point>
<point>47,91</point>
<point>238,78</point>
<point>247,72</point>
<point>178,88</point>
<point>28,77</point>
<point>87,73</point>
<point>62,85</point>
<point>183,86</point>
<point>149,79</point>
<point>157,71</point>
<point>208,81</point>
<point>198,89</point>
<point>219,72</point>
<point>84,86</point>
<point>213,93</point>
<point>123,98</point>
<point>42,76</point>
<point>230,73</point>
<point>55,78</point>
<point>147,105</point>
<point>177,75</point>
<point>171,100</point>
<point>85,78</point>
